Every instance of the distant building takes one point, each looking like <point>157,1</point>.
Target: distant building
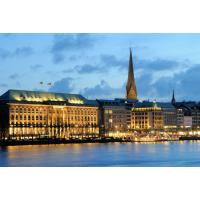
<point>173,101</point>
<point>187,121</point>
<point>169,115</point>
<point>188,114</point>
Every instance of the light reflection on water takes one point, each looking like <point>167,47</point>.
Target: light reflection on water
<point>183,153</point>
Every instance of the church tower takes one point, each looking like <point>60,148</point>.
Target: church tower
<point>131,91</point>
<point>173,101</point>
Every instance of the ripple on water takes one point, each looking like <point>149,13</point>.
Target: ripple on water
<point>106,155</point>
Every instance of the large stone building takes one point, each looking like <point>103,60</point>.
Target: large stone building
<point>146,116</point>
<point>31,114</point>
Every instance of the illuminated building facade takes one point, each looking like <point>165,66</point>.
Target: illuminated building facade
<point>115,117</point>
<point>146,116</point>
<point>31,114</point>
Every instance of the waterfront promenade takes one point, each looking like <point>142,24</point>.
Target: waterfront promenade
<point>93,140</point>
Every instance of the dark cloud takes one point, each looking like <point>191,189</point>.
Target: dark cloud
<point>14,76</point>
<point>185,83</point>
<point>112,61</point>
<point>67,71</point>
<point>156,64</point>
<point>164,86</point>
<point>103,91</point>
<point>70,42</point>
<point>58,57</point>
<point>4,54</point>
<point>3,85</point>
<point>188,82</point>
<point>108,62</point>
<point>22,51</point>
<point>144,86</point>
<point>161,89</point>
<point>87,68</point>
<point>36,67</point>
<point>64,85</point>
<point>74,58</point>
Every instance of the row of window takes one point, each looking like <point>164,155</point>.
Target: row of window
<point>16,117</point>
<point>53,124</point>
<point>139,113</point>
<point>141,122</point>
<point>76,118</point>
<point>140,126</point>
<point>41,111</point>
<point>140,118</point>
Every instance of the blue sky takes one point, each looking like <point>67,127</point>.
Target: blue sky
<point>96,65</point>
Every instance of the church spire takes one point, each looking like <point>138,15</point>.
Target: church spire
<point>131,91</point>
<point>173,101</point>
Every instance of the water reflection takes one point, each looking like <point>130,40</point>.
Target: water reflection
<point>181,153</point>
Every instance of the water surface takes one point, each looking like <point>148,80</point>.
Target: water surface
<point>186,153</point>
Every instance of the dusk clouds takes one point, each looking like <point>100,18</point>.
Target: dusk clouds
<point>36,67</point>
<point>64,85</point>
<point>96,65</point>
<point>102,90</point>
<point>65,43</point>
<point>20,51</point>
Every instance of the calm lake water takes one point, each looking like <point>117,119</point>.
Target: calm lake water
<point>186,153</point>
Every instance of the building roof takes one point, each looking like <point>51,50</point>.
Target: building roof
<point>117,102</point>
<point>145,104</point>
<point>42,97</point>
<point>148,104</point>
<point>106,102</point>
<point>190,105</point>
<point>165,105</point>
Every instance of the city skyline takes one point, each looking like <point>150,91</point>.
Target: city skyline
<point>95,65</point>
<point>75,123</point>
